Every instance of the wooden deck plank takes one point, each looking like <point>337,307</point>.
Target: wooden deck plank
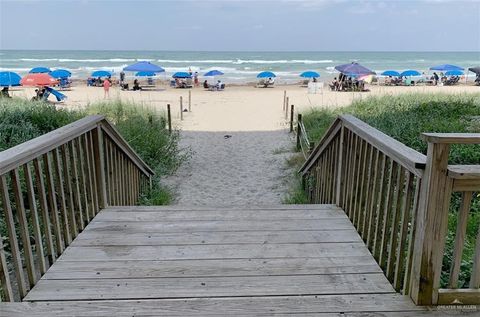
<point>224,267</point>
<point>93,238</point>
<point>224,208</point>
<point>238,306</point>
<point>154,288</point>
<point>219,215</point>
<point>240,251</point>
<point>211,226</point>
<point>214,261</point>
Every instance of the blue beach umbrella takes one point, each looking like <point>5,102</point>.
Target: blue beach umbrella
<point>410,72</point>
<point>213,73</point>
<point>454,72</point>
<point>310,74</point>
<point>40,69</point>
<point>144,67</point>
<point>101,73</point>
<point>354,69</point>
<point>145,74</point>
<point>60,73</point>
<point>266,75</point>
<point>446,67</point>
<point>390,73</point>
<point>9,79</point>
<point>182,75</point>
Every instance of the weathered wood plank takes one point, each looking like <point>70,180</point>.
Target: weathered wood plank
<point>144,253</point>
<point>208,287</point>
<point>216,267</point>
<point>371,303</point>
<point>220,215</point>
<point>229,225</point>
<point>175,208</point>
<point>91,238</point>
<point>464,171</point>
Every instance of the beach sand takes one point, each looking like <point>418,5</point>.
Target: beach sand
<point>249,167</point>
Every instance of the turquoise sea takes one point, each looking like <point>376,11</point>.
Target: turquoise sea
<point>237,66</point>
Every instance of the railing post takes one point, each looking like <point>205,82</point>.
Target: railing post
<point>100,166</point>
<point>189,101</point>
<point>169,118</point>
<point>292,112</point>
<point>286,109</point>
<point>431,227</point>
<point>338,189</point>
<point>299,122</point>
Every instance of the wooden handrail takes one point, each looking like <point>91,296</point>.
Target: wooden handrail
<point>452,138</point>
<point>77,170</point>
<point>399,200</point>
<point>27,151</point>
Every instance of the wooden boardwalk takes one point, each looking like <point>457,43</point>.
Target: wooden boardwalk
<point>151,261</point>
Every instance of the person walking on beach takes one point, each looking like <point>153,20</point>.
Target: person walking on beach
<point>106,88</point>
<point>195,79</point>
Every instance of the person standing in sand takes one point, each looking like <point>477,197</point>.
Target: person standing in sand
<point>106,88</point>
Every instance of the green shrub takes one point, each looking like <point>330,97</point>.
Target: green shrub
<point>146,131</point>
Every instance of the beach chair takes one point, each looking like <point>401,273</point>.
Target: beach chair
<point>261,83</point>
<point>189,83</point>
<point>64,83</point>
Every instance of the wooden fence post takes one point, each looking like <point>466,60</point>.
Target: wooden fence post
<point>291,117</point>
<point>299,122</point>
<point>169,118</point>
<point>431,228</point>
<point>189,101</point>
<point>284,99</point>
<point>181,108</point>
<point>286,109</point>
<point>98,152</point>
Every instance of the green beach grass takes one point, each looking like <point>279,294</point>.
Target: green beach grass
<point>404,118</point>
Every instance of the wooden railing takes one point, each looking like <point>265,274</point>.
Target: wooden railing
<point>51,187</point>
<point>303,143</point>
<point>393,197</point>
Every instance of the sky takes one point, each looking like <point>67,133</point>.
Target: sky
<point>258,25</point>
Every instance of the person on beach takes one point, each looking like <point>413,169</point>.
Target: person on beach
<point>5,93</point>
<point>219,85</point>
<point>122,77</point>
<point>435,78</point>
<point>205,84</point>
<point>195,79</point>
<point>106,88</point>
<point>136,86</point>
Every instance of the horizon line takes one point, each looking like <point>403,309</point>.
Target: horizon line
<point>246,51</point>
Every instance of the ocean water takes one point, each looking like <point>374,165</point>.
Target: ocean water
<point>238,66</point>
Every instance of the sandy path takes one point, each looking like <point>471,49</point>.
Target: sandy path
<point>247,168</point>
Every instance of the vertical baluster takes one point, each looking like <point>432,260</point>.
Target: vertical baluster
<point>68,187</point>
<point>61,194</point>
<point>52,202</point>
<point>32,205</point>
<point>346,173</point>
<point>387,214</point>
<point>113,198</point>
<point>395,223</point>
<point>44,210</point>
<point>360,213</point>
<point>411,238</point>
<point>122,179</point>
<point>357,180</point>
<point>83,173</point>
<point>460,238</point>
<point>368,192</point>
<point>117,176</point>
<point>23,227</point>
<point>475,278</point>
<point>4,275</point>
<point>12,234</point>
<point>94,171</point>
<point>76,183</point>
<point>374,198</point>
<point>89,176</point>
<point>403,236</point>
<point>386,164</point>
<point>352,172</point>
<point>106,163</point>
<point>98,152</point>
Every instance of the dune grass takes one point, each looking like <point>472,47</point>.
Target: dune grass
<point>404,118</point>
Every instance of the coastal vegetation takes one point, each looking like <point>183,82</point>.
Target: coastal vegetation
<point>142,127</point>
<point>404,118</point>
